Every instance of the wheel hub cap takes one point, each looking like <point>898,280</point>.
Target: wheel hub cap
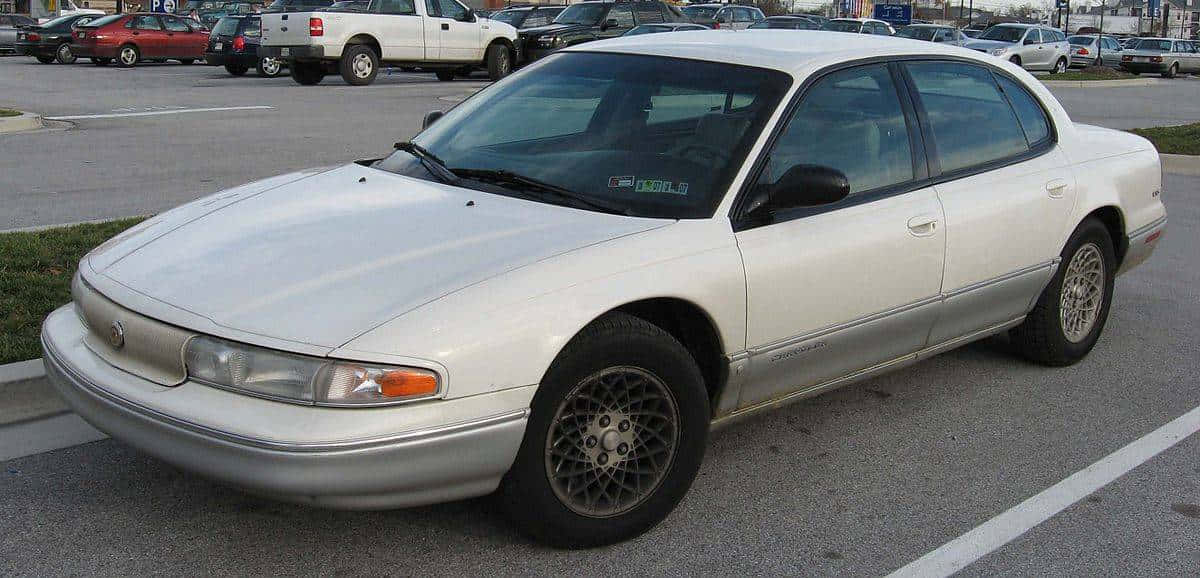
<point>612,442</point>
<point>1082,293</point>
<point>362,66</point>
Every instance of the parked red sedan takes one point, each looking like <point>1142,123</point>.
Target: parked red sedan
<point>130,38</point>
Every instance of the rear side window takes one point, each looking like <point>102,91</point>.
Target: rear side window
<point>852,121</point>
<point>397,7</point>
<point>1029,113</point>
<point>971,121</point>
<point>538,18</point>
<point>225,27</point>
<point>144,23</point>
<point>175,24</point>
<point>648,12</point>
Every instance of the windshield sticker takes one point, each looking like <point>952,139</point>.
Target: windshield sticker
<point>618,182</point>
<point>656,186</point>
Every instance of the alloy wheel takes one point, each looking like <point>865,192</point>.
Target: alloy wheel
<point>1082,293</point>
<point>612,442</point>
<point>270,66</point>
<point>128,56</point>
<point>64,53</point>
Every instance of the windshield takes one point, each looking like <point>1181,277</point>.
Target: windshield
<point>102,21</point>
<point>650,135</point>
<point>1080,40</point>
<point>699,12</point>
<point>917,32</point>
<point>512,17</point>
<point>842,26</point>
<point>1154,45</point>
<point>225,27</point>
<point>1003,34</point>
<point>581,14</point>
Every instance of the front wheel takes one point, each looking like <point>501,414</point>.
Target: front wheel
<point>616,436</point>
<point>499,61</point>
<point>128,56</point>
<point>64,55</point>
<point>1172,71</point>
<point>269,67</point>
<point>1015,60</point>
<point>1059,67</point>
<point>1071,312</point>
<point>359,65</point>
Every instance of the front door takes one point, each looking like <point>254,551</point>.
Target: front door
<point>1006,217</point>
<point>838,288</point>
<point>148,35</point>
<point>459,31</point>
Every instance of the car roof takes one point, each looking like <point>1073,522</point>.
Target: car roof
<point>857,20</point>
<point>929,25</point>
<point>775,49</point>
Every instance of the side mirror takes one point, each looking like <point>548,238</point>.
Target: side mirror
<point>610,23</point>
<point>803,186</point>
<point>1030,41</point>
<point>430,118</point>
<point>469,16</point>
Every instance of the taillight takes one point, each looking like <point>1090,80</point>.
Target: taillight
<point>1126,59</point>
<point>239,44</point>
<point>1156,58</point>
<point>34,36</point>
<point>1082,51</point>
<point>316,27</point>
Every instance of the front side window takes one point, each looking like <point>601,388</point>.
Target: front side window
<point>842,26</point>
<point>623,14</point>
<point>401,7</point>
<point>916,32</point>
<point>146,23</point>
<point>586,13</point>
<point>852,121</point>
<point>452,9</point>
<point>648,135</point>
<point>176,25</point>
<point>971,121</point>
<point>699,12</point>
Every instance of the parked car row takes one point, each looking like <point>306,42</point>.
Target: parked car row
<point>1165,56</point>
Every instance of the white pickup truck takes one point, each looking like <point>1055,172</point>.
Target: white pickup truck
<point>439,35</point>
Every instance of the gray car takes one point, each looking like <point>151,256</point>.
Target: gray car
<point>1091,50</point>
<point>1162,56</point>
<point>1031,46</point>
<point>8,30</point>
<point>723,15</point>
<point>934,33</point>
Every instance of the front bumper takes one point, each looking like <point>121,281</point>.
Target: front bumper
<point>303,52</point>
<point>432,453</point>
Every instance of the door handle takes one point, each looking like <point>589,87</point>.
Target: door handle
<point>1056,188</point>
<point>923,225</point>
<point>445,26</point>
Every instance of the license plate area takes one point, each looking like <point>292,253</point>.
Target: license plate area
<point>218,46</point>
<point>285,51</point>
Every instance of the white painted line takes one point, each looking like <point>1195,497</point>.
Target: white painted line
<point>43,435</point>
<point>992,534</point>
<point>157,112</point>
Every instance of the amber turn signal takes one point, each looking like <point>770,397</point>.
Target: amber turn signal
<point>402,383</point>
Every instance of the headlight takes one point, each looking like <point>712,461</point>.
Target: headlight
<point>998,51</point>
<point>299,378</point>
<point>549,41</point>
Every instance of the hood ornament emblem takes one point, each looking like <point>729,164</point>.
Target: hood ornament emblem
<point>116,334</point>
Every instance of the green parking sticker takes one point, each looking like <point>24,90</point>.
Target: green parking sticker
<point>657,186</point>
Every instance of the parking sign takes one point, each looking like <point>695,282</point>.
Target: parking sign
<point>166,6</point>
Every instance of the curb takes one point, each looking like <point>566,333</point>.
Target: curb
<point>26,121</point>
<point>1100,83</point>
<point>21,371</point>
<point>1180,164</point>
<point>25,395</point>
<point>36,228</point>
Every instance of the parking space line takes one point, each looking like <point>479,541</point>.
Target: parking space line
<point>996,532</point>
<point>157,112</point>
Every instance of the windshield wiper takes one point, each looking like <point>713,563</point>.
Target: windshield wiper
<point>538,189</point>
<point>434,165</point>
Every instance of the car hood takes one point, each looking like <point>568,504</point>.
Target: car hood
<point>322,259</point>
<point>552,29</point>
<point>987,44</point>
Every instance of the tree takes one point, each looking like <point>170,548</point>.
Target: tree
<point>772,7</point>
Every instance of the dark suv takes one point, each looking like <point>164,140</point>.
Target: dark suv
<point>234,45</point>
<point>594,20</point>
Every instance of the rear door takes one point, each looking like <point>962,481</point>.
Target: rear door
<point>147,33</point>
<point>181,41</point>
<point>402,30</point>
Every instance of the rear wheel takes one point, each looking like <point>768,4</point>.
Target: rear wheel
<point>236,69</point>
<point>445,75</point>
<point>1172,71</point>
<point>64,55</point>
<point>44,59</point>
<point>128,56</point>
<point>499,61</point>
<point>269,67</point>
<point>1059,67</point>
<point>307,73</point>
<point>1071,312</point>
<point>359,65</point>
<point>1015,60</point>
<point>616,435</point>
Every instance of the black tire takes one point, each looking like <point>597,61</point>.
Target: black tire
<point>307,73</point>
<point>44,59</point>
<point>124,58</point>
<point>499,61</point>
<point>64,55</point>
<point>101,61</point>
<point>445,75</point>
<point>1173,71</point>
<point>187,61</point>
<point>236,69</point>
<point>359,65</point>
<point>1041,337</point>
<point>1060,65</point>
<point>622,343</point>
<point>269,67</point>
<point>1015,60</point>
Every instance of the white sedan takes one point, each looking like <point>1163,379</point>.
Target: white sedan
<point>561,285</point>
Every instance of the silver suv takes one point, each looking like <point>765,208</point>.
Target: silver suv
<point>1031,46</point>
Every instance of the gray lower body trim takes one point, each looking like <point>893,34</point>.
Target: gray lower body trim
<point>1141,244</point>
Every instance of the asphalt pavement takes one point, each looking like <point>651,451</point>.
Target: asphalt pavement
<point>860,481</point>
